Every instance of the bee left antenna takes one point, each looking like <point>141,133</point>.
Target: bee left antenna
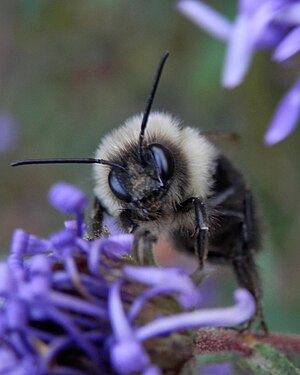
<point>149,105</point>
<point>68,161</point>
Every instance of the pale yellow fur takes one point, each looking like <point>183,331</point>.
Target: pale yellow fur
<point>199,154</point>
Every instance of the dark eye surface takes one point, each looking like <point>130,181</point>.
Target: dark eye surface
<point>164,160</point>
<point>117,188</point>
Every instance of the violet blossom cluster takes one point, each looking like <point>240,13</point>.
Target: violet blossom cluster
<point>72,305</point>
<point>259,24</point>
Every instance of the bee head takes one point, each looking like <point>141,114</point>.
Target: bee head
<point>140,184</point>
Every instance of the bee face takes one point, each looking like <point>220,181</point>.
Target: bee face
<point>144,184</point>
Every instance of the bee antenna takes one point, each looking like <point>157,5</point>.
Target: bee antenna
<point>68,161</point>
<point>149,105</point>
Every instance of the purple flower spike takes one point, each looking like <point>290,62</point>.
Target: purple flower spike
<point>67,198</point>
<point>19,247</point>
<point>7,361</point>
<point>258,24</point>
<point>120,244</point>
<point>62,239</point>
<point>286,116</point>
<point>38,245</point>
<point>239,53</point>
<point>127,354</point>
<point>217,369</point>
<point>7,284</point>
<point>167,280</point>
<point>223,317</point>
<point>112,247</point>
<point>74,312</point>
<point>205,17</point>
<point>19,243</point>
<point>112,225</point>
<point>268,24</point>
<point>40,274</point>
<point>16,315</point>
<point>289,46</point>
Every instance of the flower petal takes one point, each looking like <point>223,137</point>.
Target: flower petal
<point>239,53</point>
<point>120,325</point>
<point>19,242</point>
<point>286,116</point>
<point>62,239</point>
<point>206,17</point>
<point>217,369</point>
<point>127,354</point>
<point>220,317</point>
<point>290,14</point>
<point>129,357</point>
<point>171,280</point>
<point>67,198</point>
<point>7,284</point>
<point>288,46</point>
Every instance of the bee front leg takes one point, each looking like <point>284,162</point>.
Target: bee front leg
<point>95,229</point>
<point>201,236</point>
<point>201,239</point>
<point>143,246</point>
<point>143,240</point>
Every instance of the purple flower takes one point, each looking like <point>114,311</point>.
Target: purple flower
<point>222,317</point>
<point>258,24</point>
<point>73,306</point>
<point>167,281</point>
<point>286,116</point>
<point>266,24</point>
<point>69,199</point>
<point>206,17</point>
<point>217,369</point>
<point>127,352</point>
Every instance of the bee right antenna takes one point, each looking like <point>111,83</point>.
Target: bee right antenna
<point>149,105</point>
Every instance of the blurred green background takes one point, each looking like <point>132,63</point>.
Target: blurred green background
<point>72,70</point>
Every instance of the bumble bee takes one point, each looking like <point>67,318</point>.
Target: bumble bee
<point>153,175</point>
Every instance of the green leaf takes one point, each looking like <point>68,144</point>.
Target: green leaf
<point>265,360</point>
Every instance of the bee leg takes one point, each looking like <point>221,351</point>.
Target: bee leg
<point>96,220</point>
<point>247,276</point>
<point>201,239</point>
<point>244,264</point>
<point>143,246</point>
<point>201,245</point>
<point>143,239</point>
<point>127,222</point>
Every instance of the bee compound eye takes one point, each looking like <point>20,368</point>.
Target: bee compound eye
<point>164,160</point>
<point>117,187</point>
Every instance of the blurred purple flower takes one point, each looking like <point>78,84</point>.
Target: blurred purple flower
<point>8,133</point>
<point>65,307</point>
<point>69,199</point>
<point>127,352</point>
<point>217,369</point>
<point>167,281</point>
<point>286,116</point>
<point>262,24</point>
<point>266,24</point>
<point>218,317</point>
